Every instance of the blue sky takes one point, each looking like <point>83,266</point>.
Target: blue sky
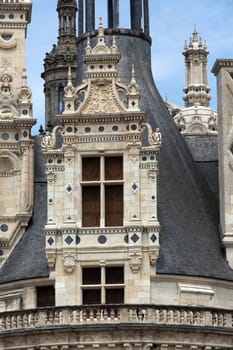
<point>171,23</point>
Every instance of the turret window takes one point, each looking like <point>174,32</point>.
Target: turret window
<point>103,285</point>
<point>60,99</point>
<point>45,296</point>
<point>102,191</point>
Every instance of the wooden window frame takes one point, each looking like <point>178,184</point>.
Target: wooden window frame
<point>103,183</point>
<point>104,287</point>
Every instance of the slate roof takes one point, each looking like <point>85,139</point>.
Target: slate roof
<point>187,200</point>
<point>28,259</point>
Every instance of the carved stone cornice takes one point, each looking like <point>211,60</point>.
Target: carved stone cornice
<point>78,118</point>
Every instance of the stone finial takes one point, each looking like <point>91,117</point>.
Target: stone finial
<point>69,96</point>
<point>133,87</point>
<point>114,47</point>
<point>100,28</point>
<point>133,92</point>
<point>195,35</point>
<point>88,47</point>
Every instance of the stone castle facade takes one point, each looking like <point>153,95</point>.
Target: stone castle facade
<point>109,229</point>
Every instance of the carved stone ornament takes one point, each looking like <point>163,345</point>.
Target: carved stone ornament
<point>49,140</point>
<point>51,259</point>
<point>135,261</point>
<point>69,261</point>
<point>212,123</point>
<point>154,138</point>
<point>181,123</point>
<point>153,255</point>
<point>25,95</point>
<point>101,99</point>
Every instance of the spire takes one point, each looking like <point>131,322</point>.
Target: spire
<point>195,35</point>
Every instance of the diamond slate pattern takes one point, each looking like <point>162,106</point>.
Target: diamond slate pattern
<point>135,238</point>
<point>50,241</point>
<point>69,240</point>
<point>153,238</point>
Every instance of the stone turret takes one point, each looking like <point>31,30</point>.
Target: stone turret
<point>16,121</point>
<point>197,118</point>
<point>196,90</point>
<point>56,63</point>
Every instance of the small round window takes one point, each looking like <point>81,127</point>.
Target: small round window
<point>6,37</point>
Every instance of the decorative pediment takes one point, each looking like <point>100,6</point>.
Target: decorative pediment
<point>102,98</point>
<point>102,91</point>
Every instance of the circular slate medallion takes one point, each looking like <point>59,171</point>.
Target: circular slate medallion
<point>102,239</point>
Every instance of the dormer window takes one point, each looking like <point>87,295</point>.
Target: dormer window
<point>102,191</point>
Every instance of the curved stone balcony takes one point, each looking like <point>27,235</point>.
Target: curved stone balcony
<point>187,317</point>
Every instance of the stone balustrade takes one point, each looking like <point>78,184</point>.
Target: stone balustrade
<point>83,315</point>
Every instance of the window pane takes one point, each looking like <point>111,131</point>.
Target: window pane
<point>91,275</point>
<point>92,296</point>
<point>114,275</point>
<point>113,168</point>
<point>91,169</point>
<point>115,296</point>
<point>45,296</point>
<point>91,206</point>
<point>114,205</point>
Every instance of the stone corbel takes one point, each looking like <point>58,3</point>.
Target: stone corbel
<point>152,173</point>
<point>153,255</point>
<point>51,176</point>
<point>69,261</point>
<point>135,261</point>
<point>51,258</point>
<point>134,152</point>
